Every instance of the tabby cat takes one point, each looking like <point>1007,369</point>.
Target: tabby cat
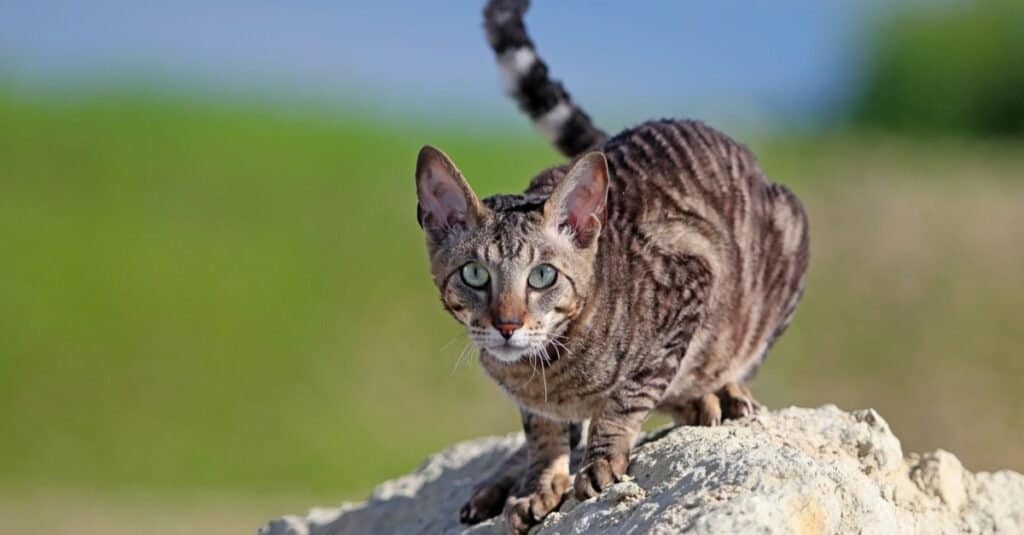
<point>654,271</point>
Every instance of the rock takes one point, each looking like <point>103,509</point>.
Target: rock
<point>799,471</point>
<point>940,474</point>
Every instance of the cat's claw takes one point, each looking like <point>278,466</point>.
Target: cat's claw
<point>523,512</point>
<point>599,474</point>
<point>737,402</point>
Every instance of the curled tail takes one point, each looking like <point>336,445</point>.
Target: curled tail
<point>546,102</point>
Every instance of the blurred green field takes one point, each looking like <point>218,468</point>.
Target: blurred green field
<point>208,298</point>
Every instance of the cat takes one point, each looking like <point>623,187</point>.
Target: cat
<point>652,272</point>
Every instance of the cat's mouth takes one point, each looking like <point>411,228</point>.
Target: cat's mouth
<point>507,352</point>
<point>515,348</point>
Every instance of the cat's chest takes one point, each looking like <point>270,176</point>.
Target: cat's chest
<point>570,389</point>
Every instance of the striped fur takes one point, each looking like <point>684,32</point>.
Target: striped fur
<point>544,100</point>
<point>678,265</point>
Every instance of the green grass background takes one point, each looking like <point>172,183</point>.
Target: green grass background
<point>201,297</point>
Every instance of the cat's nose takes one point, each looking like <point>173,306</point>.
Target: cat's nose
<point>507,326</point>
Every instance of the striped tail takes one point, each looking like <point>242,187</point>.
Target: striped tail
<point>546,102</point>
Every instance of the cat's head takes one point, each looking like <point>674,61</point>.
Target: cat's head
<point>514,276</point>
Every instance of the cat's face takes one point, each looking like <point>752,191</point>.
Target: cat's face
<point>514,285</point>
<point>514,279</point>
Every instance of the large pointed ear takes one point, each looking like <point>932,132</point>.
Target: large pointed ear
<point>446,202</point>
<point>578,203</point>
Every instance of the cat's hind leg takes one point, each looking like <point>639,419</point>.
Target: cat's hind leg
<point>703,411</point>
<point>730,402</point>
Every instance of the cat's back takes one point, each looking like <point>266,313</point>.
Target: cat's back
<point>668,168</point>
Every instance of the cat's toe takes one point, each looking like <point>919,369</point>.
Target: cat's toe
<point>736,401</point>
<point>709,410</point>
<point>703,411</point>
<point>522,513</point>
<point>598,475</point>
<point>518,516</point>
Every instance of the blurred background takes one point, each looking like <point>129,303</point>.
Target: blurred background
<point>214,299</point>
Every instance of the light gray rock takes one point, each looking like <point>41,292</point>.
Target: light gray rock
<point>799,471</point>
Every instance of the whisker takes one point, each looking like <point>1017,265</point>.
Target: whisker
<point>533,363</point>
<point>543,377</point>
<point>462,355</point>
<point>450,341</point>
<point>555,346</point>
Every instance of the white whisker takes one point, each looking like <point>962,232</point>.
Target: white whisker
<point>555,345</point>
<point>462,355</point>
<point>451,341</point>
<point>543,377</point>
<point>533,363</point>
<point>559,347</point>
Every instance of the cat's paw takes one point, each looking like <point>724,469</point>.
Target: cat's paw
<point>736,401</point>
<point>599,474</point>
<point>704,411</point>
<point>731,402</point>
<point>486,502</point>
<point>523,512</point>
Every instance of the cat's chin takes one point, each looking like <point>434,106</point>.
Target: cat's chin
<point>507,353</point>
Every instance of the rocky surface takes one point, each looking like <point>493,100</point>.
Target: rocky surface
<point>800,471</point>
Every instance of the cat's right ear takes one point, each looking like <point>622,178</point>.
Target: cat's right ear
<point>446,202</point>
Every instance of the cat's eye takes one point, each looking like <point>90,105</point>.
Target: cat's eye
<point>542,276</point>
<point>474,275</point>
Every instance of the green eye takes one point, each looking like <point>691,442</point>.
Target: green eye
<point>475,275</point>
<point>542,276</point>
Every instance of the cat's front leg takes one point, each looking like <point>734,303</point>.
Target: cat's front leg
<point>546,478</point>
<point>614,429</point>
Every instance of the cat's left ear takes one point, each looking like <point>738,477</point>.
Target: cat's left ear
<point>446,202</point>
<point>578,203</point>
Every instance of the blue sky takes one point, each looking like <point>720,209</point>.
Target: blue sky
<point>742,62</point>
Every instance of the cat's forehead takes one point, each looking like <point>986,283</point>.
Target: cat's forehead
<point>509,225</point>
<point>511,235</point>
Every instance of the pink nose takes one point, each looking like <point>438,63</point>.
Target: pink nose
<point>506,327</point>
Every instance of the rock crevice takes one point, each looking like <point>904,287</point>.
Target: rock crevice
<point>793,471</point>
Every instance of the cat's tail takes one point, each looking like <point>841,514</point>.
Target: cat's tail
<point>526,76</point>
